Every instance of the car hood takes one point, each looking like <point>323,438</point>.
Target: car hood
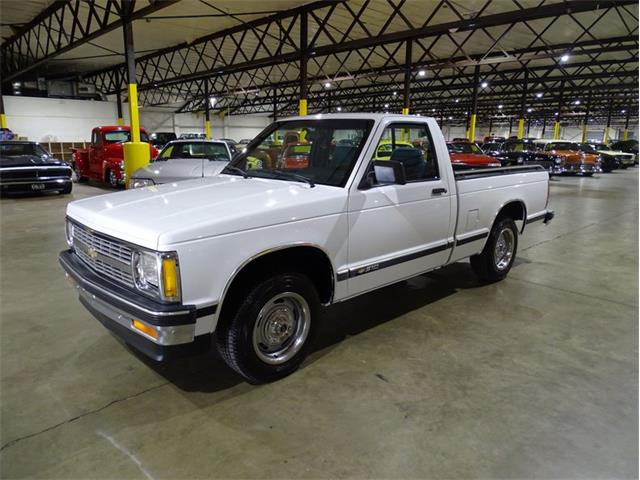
<point>471,158</point>
<point>30,161</point>
<point>174,170</point>
<point>615,153</point>
<point>165,215</point>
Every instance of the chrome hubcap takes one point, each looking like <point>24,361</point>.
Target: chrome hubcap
<point>281,328</point>
<point>503,251</point>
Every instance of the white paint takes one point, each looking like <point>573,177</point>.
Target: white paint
<point>63,120</point>
<point>217,224</point>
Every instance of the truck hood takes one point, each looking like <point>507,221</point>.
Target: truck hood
<point>160,216</point>
<point>174,170</point>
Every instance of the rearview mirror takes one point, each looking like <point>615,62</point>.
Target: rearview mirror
<point>389,172</point>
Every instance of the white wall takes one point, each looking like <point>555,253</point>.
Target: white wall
<point>62,120</point>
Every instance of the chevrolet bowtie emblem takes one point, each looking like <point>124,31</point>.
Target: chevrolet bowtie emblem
<point>92,252</point>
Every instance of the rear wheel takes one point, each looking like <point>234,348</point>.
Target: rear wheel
<point>269,329</point>
<point>499,253</point>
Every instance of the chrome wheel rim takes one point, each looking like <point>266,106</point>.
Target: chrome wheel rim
<point>112,178</point>
<point>503,250</point>
<point>281,328</point>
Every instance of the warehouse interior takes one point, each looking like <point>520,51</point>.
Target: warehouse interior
<point>437,376</point>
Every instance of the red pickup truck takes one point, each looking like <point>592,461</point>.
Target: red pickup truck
<point>104,159</point>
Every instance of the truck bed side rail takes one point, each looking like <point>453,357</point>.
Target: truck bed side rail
<point>492,171</point>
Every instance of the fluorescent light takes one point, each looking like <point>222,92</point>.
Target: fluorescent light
<point>457,100</point>
<point>395,93</point>
<point>450,118</point>
<point>386,105</point>
<point>564,57</point>
<point>529,110</point>
<point>339,109</point>
<point>539,94</point>
<point>577,102</point>
<point>484,84</point>
<point>422,73</point>
<point>327,85</point>
<point>212,101</point>
<point>499,107</point>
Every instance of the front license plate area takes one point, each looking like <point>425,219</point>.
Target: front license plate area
<point>37,186</point>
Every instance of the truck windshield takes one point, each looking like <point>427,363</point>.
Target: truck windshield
<point>323,151</point>
<point>121,136</point>
<point>206,150</point>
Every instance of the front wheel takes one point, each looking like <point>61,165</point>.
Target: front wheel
<point>496,259</point>
<point>270,329</point>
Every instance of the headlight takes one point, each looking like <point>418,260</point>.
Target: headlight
<point>142,182</point>
<point>495,164</point>
<point>157,274</point>
<point>69,227</point>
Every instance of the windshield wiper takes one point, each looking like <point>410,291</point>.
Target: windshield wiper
<point>236,170</point>
<point>296,176</point>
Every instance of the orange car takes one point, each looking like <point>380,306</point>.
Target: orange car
<point>567,158</point>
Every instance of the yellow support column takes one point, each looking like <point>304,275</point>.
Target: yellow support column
<point>3,121</point>
<point>405,111</point>
<point>584,133</point>
<point>303,107</point>
<point>472,128</point>
<point>207,129</point>
<point>625,134</point>
<point>556,131</point>
<point>136,153</point>
<point>520,128</point>
<point>605,139</point>
<point>120,121</point>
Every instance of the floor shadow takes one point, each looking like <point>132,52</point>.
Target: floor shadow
<point>208,372</point>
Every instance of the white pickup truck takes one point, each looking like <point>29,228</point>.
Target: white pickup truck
<point>307,215</point>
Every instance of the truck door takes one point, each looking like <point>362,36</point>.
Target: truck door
<point>94,154</point>
<point>398,231</point>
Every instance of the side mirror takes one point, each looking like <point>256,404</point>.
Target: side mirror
<point>389,172</point>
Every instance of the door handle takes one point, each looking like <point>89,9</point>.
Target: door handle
<point>438,191</point>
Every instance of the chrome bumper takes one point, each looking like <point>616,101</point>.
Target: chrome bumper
<point>576,168</point>
<point>172,335</point>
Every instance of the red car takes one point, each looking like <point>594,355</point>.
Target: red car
<point>468,155</point>
<point>104,159</point>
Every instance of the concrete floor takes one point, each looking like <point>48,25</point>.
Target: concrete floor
<point>536,376</point>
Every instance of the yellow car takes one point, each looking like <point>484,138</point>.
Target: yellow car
<point>385,148</point>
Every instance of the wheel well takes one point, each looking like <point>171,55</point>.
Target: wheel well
<point>514,210</point>
<point>307,260</point>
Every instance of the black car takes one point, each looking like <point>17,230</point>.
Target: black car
<point>608,162</point>
<point>521,152</point>
<point>626,146</point>
<point>27,167</point>
<point>160,139</point>
<point>491,148</point>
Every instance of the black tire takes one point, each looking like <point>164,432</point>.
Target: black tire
<point>235,333</point>
<point>78,178</point>
<point>590,174</point>
<point>624,167</point>
<point>485,265</point>
<point>67,189</point>
<point>110,178</point>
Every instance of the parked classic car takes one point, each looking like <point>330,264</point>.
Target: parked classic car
<point>6,134</point>
<point>491,148</point>
<point>609,159</point>
<point>183,160</point>
<point>104,159</point>
<point>522,152</point>
<point>566,157</point>
<point>27,167</point>
<point>246,259</point>
<point>469,155</point>
<point>160,139</point>
<point>626,146</point>
<point>192,136</point>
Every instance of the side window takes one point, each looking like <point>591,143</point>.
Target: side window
<point>411,145</point>
<point>95,138</point>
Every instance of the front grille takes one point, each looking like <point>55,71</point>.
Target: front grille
<point>34,174</point>
<point>105,255</point>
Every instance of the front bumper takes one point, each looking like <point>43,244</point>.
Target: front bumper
<point>117,308</point>
<point>576,168</point>
<point>35,185</point>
